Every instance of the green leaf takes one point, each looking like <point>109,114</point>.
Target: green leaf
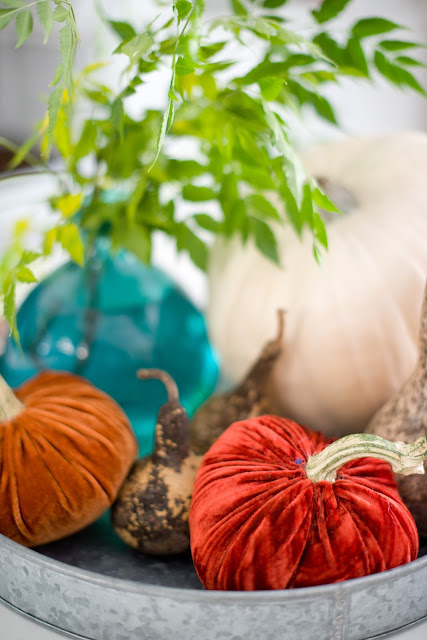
<point>265,28</point>
<point>265,240</point>
<point>117,116</point>
<point>264,70</point>
<point>239,8</point>
<point>320,230</point>
<point>24,274</point>
<point>409,62</point>
<point>209,50</point>
<point>123,29</point>
<point>9,305</point>
<point>258,177</point>
<point>61,13</point>
<point>59,72</point>
<point>397,75</point>
<point>49,240</point>
<point>330,48</point>
<point>66,47</point>
<point>54,104</point>
<point>316,100</point>
<point>207,222</point>
<point>294,171</point>
<point>45,15</point>
<point>184,66</point>
<point>6,15</point>
<point>259,207</point>
<point>307,211</point>
<point>24,26</point>
<point>357,56</point>
<point>198,194</point>
<point>187,240</point>
<point>14,4</point>
<point>23,152</point>
<point>136,47</point>
<point>322,201</point>
<point>182,8</point>
<point>166,123</point>
<point>272,4</point>
<point>185,170</point>
<point>28,256</point>
<point>135,199</point>
<point>398,45</point>
<point>99,97</point>
<point>373,27</point>
<point>69,237</point>
<point>271,87</point>
<point>329,9</point>
<point>316,253</point>
<point>135,239</point>
<point>69,204</point>
<point>268,69</point>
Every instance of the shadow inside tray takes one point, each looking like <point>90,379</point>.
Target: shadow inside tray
<point>99,549</point>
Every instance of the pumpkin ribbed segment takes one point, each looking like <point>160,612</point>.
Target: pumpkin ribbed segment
<point>258,522</point>
<point>62,460</point>
<point>351,324</point>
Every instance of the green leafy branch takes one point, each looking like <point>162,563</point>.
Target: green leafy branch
<point>48,12</point>
<point>14,269</point>
<point>244,177</point>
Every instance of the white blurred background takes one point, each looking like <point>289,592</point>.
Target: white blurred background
<point>363,108</point>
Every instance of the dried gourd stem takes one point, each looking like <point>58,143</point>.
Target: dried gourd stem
<point>422,340</point>
<point>403,458</point>
<point>10,406</point>
<point>171,439</point>
<point>257,375</point>
<point>168,381</point>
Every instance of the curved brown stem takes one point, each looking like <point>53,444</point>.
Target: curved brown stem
<point>163,376</point>
<point>258,373</point>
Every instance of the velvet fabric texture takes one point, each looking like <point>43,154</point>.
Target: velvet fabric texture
<point>258,522</point>
<point>62,459</point>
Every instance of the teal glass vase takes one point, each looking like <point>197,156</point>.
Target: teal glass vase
<point>107,320</point>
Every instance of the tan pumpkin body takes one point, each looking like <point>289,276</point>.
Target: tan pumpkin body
<point>352,324</point>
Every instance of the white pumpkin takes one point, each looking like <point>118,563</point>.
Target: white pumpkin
<point>351,324</point>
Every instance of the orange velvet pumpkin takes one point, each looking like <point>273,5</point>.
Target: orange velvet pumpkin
<point>65,449</point>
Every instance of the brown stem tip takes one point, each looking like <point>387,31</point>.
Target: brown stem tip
<point>163,376</point>
<point>280,325</point>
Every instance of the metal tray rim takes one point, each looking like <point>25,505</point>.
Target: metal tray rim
<point>233,597</point>
<point>69,634</point>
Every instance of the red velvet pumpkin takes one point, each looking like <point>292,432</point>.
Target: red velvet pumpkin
<point>65,449</point>
<point>258,522</point>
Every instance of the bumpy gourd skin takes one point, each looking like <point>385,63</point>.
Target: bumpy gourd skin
<point>62,458</point>
<point>258,522</point>
<point>151,510</point>
<point>404,417</point>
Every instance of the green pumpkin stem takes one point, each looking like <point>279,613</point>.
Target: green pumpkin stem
<point>403,458</point>
<point>10,406</point>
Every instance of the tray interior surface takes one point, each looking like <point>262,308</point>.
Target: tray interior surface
<point>98,549</point>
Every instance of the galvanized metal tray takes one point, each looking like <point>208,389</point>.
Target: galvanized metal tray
<point>92,586</point>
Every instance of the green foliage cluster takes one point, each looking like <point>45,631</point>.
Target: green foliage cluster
<point>237,123</point>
